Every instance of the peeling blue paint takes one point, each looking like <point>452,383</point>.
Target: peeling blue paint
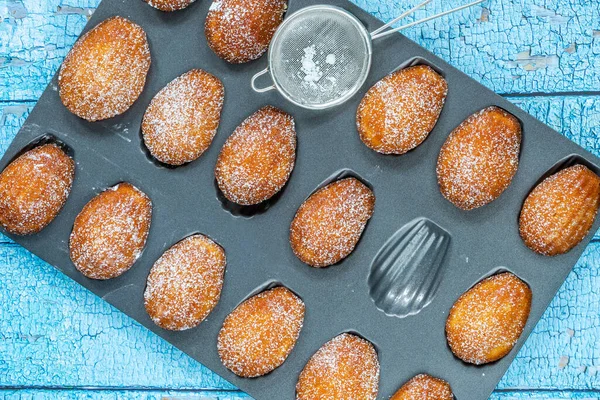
<point>67,10</point>
<point>551,16</point>
<point>13,9</point>
<point>82,341</point>
<point>530,62</point>
<point>484,44</point>
<point>57,335</point>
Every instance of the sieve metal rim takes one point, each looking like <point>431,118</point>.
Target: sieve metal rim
<point>329,8</point>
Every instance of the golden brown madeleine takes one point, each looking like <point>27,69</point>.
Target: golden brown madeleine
<point>560,211</point>
<point>328,225</point>
<point>424,387</point>
<point>239,31</point>
<point>345,368</point>
<point>479,158</point>
<point>260,333</point>
<point>33,189</point>
<point>182,119</point>
<point>399,111</point>
<point>257,159</point>
<point>185,283</point>
<point>169,5</point>
<point>105,72</point>
<point>110,232</point>
<point>487,320</point>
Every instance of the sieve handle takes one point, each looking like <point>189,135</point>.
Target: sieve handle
<point>381,32</point>
<point>255,77</point>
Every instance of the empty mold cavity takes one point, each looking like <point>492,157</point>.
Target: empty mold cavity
<point>407,271</point>
<point>411,62</point>
<point>47,138</point>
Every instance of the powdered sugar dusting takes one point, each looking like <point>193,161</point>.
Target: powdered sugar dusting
<point>106,70</point>
<point>257,159</point>
<point>110,232</point>
<point>182,119</point>
<point>560,211</point>
<point>240,30</point>
<point>486,321</point>
<point>260,333</point>
<point>424,387</point>
<point>328,225</point>
<point>34,187</point>
<point>312,71</point>
<point>399,111</point>
<point>169,5</point>
<point>319,71</point>
<point>320,58</point>
<point>185,283</point>
<point>479,159</point>
<point>345,368</point>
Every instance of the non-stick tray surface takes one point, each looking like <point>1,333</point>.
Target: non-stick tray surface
<point>337,298</point>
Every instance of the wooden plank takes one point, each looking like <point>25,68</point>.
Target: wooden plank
<point>41,394</point>
<point>511,46</point>
<point>115,394</point>
<point>55,333</point>
<point>515,47</point>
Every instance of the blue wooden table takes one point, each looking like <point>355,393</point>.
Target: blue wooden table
<point>57,340</point>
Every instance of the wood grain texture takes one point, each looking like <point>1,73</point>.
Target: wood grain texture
<point>116,394</point>
<point>511,46</point>
<point>55,334</point>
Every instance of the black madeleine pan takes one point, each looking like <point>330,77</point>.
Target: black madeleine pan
<point>338,299</point>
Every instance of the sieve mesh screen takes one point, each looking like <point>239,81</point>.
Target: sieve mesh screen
<point>320,56</point>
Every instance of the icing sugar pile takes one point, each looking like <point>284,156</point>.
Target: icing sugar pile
<point>310,67</point>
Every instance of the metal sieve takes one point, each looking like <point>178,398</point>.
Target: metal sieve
<point>320,56</point>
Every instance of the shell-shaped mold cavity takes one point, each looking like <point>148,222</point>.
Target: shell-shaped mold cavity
<point>406,272</point>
